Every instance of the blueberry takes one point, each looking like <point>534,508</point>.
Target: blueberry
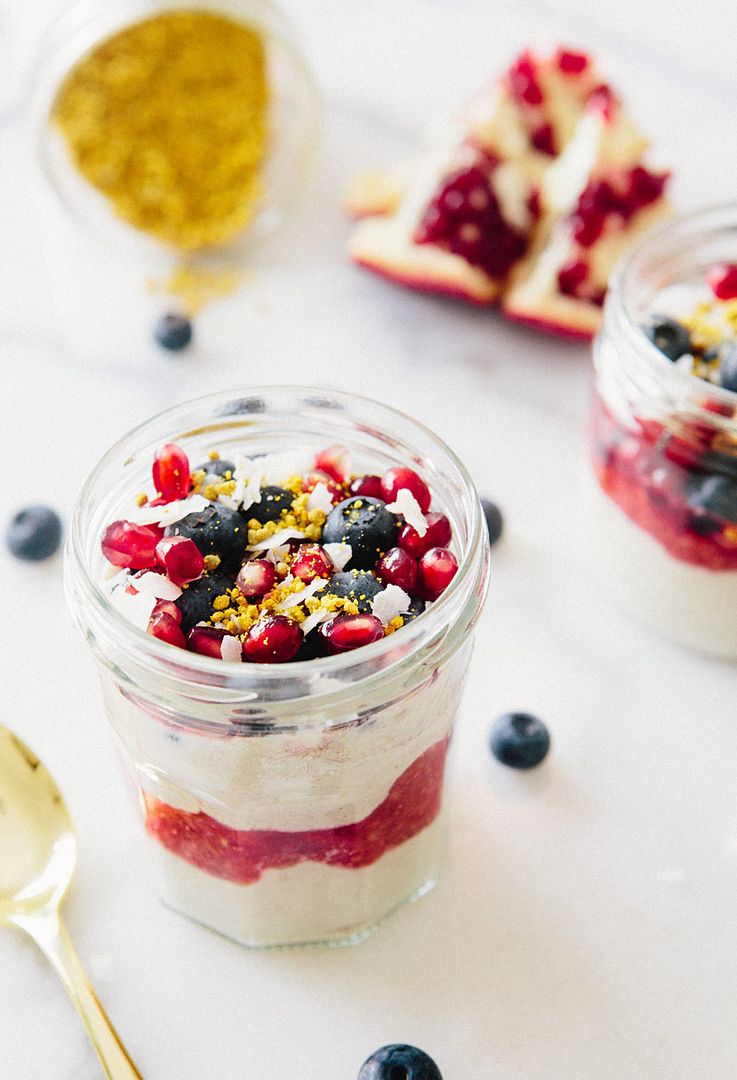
<point>195,603</point>
<point>494,520</point>
<point>274,502</point>
<point>218,467</point>
<point>728,368</point>
<point>520,740</point>
<point>415,608</point>
<point>713,494</point>
<point>399,1062</point>
<point>366,525</point>
<point>34,533</point>
<point>216,530</point>
<point>173,332</point>
<point>241,406</point>
<point>667,335</point>
<point>359,586</point>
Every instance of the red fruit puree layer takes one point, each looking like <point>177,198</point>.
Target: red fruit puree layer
<point>645,473</point>
<point>242,855</point>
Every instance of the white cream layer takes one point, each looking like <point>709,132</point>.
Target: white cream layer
<point>691,604</point>
<point>309,902</point>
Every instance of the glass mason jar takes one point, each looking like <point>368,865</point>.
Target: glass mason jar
<point>297,802</point>
<point>662,518</point>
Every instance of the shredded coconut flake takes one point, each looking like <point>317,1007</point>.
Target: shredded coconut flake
<point>320,499</point>
<point>278,539</point>
<point>407,505</point>
<point>389,603</point>
<point>340,554</point>
<point>156,585</point>
<point>317,617</point>
<point>276,555</point>
<point>136,607</point>
<point>231,649</point>
<point>304,594</point>
<point>296,462</point>
<point>170,513</point>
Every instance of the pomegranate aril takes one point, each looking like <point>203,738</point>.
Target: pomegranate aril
<point>722,280</point>
<point>256,578</point>
<point>368,485</point>
<point>438,535</point>
<point>168,607</point>
<point>133,546</point>
<point>394,480</point>
<point>347,632</point>
<point>336,490</point>
<point>311,561</point>
<point>570,62</point>
<point>273,640</point>
<point>435,571</point>
<point>180,558</point>
<point>644,188</point>
<point>523,81</point>
<point>603,99</point>
<point>166,628</point>
<point>543,139</point>
<point>206,640</point>
<point>397,568</point>
<point>335,462</point>
<point>572,276</point>
<point>171,473</point>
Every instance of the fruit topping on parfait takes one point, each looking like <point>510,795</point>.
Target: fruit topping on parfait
<point>277,558</point>
<point>530,199</point>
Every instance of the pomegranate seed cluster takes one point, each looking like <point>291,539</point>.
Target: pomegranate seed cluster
<point>222,561</point>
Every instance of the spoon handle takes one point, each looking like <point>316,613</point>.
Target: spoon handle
<point>51,936</point>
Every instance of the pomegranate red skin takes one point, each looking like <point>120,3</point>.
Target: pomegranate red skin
<point>438,535</point>
<point>394,480</point>
<point>180,558</point>
<point>435,571</point>
<point>164,627</point>
<point>256,578</point>
<point>722,280</point>
<point>311,561</point>
<point>273,640</point>
<point>171,473</point>
<point>347,632</point>
<point>206,640</point>
<point>368,485</point>
<point>398,568</point>
<point>133,546</point>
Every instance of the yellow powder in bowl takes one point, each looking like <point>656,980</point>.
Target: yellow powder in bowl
<point>168,119</point>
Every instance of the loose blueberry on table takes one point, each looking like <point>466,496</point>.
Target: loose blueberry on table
<point>399,1061</point>
<point>677,477</point>
<point>173,332</point>
<point>519,740</point>
<point>34,533</point>
<point>223,561</point>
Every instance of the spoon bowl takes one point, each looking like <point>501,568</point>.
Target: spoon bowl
<point>38,853</point>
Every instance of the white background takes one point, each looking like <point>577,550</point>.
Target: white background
<point>585,927</point>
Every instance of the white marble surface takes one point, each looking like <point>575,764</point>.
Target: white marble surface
<point>585,926</point>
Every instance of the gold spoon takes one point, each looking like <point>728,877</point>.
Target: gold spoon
<point>38,852</point>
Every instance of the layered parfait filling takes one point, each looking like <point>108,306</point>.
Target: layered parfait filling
<point>675,474</point>
<point>267,560</point>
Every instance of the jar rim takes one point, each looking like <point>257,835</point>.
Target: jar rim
<point>663,239</point>
<point>468,587</point>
